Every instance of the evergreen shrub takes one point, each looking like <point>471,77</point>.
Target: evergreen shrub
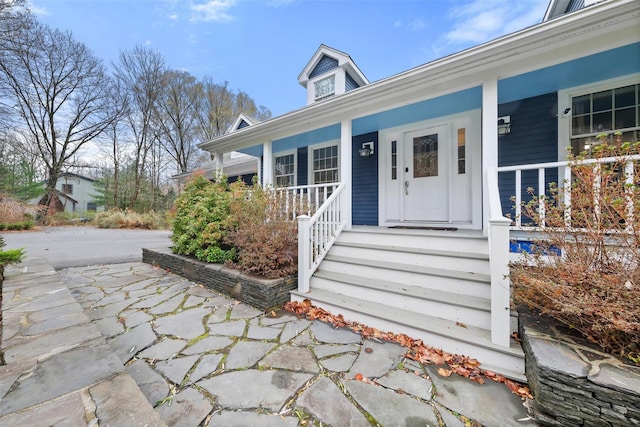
<point>202,220</point>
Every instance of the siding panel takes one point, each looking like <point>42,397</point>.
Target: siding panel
<point>303,166</point>
<point>533,139</point>
<point>364,182</point>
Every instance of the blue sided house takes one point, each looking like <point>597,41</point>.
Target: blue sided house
<point>415,175</point>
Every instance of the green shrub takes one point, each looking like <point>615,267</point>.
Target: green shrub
<point>202,221</point>
<point>9,256</point>
<point>267,241</point>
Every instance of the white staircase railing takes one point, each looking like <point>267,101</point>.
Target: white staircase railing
<point>304,199</point>
<point>316,235</point>
<point>498,264</point>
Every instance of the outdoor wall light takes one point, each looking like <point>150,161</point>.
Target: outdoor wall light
<point>366,150</point>
<point>504,125</point>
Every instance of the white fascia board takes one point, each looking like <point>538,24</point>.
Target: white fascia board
<point>601,27</point>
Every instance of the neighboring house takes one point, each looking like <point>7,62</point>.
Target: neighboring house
<point>75,194</point>
<point>235,166</point>
<point>424,165</point>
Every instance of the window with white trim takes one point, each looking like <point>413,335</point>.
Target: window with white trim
<point>324,164</point>
<point>611,111</point>
<point>285,170</point>
<point>325,88</point>
<point>67,188</point>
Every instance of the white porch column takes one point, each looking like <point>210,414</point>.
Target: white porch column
<point>259,170</point>
<point>267,165</point>
<point>345,170</point>
<point>218,160</point>
<point>495,226</point>
<point>489,141</point>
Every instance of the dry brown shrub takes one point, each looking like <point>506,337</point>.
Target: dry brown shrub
<point>263,232</point>
<point>593,287</point>
<point>12,210</point>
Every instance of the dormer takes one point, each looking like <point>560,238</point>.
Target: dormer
<point>558,8</point>
<point>241,122</point>
<point>330,73</point>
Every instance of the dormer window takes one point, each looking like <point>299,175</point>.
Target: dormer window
<point>330,73</point>
<point>325,88</point>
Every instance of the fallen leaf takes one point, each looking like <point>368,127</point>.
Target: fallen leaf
<point>445,372</point>
<point>416,349</point>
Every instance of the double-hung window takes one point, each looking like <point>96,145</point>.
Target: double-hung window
<point>610,111</point>
<point>285,170</point>
<point>324,164</point>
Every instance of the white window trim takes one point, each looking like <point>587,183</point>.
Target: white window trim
<point>564,101</point>
<point>340,83</point>
<point>295,164</point>
<point>310,158</point>
<point>331,77</point>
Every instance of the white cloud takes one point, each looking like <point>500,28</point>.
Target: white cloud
<point>212,11</point>
<point>398,24</point>
<point>482,20</point>
<point>173,16</point>
<point>37,10</point>
<point>417,24</point>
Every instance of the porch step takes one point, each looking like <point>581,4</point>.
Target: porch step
<point>421,251</point>
<point>459,242</point>
<point>471,310</point>
<point>440,279</point>
<point>431,285</point>
<point>442,260</point>
<point>436,332</point>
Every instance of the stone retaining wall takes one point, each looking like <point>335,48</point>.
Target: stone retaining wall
<point>260,293</point>
<point>575,385</point>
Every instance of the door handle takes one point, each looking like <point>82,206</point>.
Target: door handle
<point>406,188</point>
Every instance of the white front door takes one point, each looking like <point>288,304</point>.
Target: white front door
<point>426,168</point>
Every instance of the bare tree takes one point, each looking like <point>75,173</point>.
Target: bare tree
<point>112,145</point>
<point>61,92</point>
<point>220,107</point>
<point>12,17</point>
<point>245,104</point>
<point>140,72</point>
<point>177,118</point>
<point>216,110</point>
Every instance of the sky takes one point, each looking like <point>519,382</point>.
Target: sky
<point>261,46</point>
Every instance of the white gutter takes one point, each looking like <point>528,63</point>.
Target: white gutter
<point>604,26</point>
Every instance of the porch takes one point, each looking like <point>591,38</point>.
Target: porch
<point>446,286</point>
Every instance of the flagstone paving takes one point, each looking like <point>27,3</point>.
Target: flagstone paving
<point>202,359</point>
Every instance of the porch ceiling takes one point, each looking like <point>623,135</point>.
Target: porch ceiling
<point>605,26</point>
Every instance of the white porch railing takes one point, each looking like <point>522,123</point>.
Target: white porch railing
<point>498,233</point>
<point>316,235</point>
<point>304,199</point>
<point>564,171</point>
